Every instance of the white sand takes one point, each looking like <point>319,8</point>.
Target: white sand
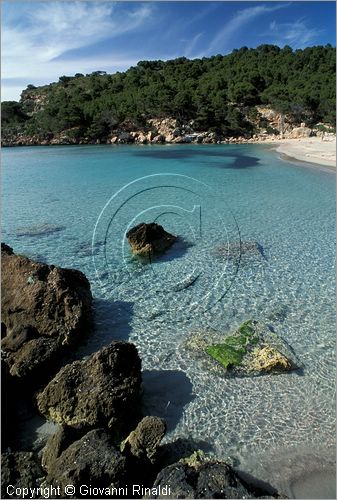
<point>311,149</point>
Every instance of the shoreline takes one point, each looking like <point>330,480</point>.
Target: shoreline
<point>310,150</point>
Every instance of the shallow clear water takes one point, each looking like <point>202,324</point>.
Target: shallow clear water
<point>211,196</point>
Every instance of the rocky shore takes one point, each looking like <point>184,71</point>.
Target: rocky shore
<point>173,131</point>
<point>104,444</point>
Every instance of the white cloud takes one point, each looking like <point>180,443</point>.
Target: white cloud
<point>30,47</point>
<point>233,27</point>
<point>296,34</point>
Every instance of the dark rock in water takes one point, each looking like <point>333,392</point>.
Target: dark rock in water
<point>92,460</point>
<point>236,250</point>
<point>150,238</point>
<point>19,470</point>
<point>44,309</point>
<point>279,314</point>
<point>196,477</point>
<point>40,230</point>
<point>102,391</point>
<point>253,349</point>
<point>144,441</point>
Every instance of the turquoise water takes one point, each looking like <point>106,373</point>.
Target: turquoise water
<point>84,199</point>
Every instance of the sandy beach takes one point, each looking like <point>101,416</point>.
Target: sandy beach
<point>311,149</point>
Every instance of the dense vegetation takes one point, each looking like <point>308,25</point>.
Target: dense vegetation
<point>214,92</point>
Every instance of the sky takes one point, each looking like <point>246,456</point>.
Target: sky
<point>42,41</point>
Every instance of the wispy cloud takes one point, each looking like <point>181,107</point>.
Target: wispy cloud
<point>34,43</point>
<point>191,44</point>
<point>296,34</point>
<point>233,28</point>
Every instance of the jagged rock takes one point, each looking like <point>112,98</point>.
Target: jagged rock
<point>253,349</point>
<point>44,309</point>
<point>269,359</point>
<point>144,441</point>
<point>92,460</point>
<point>198,477</point>
<point>102,391</point>
<point>19,470</point>
<point>146,239</point>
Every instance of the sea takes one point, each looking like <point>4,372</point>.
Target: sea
<point>256,240</point>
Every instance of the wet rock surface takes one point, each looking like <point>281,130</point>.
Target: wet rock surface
<point>145,239</point>
<point>103,390</point>
<point>44,309</point>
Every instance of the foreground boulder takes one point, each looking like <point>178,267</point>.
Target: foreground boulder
<point>92,461</point>
<point>102,391</point>
<point>144,441</point>
<point>44,309</point>
<point>146,239</point>
<point>199,478</point>
<point>253,349</point>
<point>19,470</point>
<point>141,449</point>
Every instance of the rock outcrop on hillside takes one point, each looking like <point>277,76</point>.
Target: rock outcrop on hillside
<point>171,131</point>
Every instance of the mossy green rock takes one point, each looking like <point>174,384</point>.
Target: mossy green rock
<point>235,347</point>
<point>253,349</point>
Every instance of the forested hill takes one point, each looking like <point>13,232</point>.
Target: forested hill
<point>218,94</point>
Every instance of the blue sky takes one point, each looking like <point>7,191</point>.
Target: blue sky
<point>44,40</point>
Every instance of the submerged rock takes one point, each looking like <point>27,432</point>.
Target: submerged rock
<point>19,470</point>
<point>44,309</point>
<point>253,349</point>
<point>92,460</point>
<point>39,230</point>
<point>102,391</point>
<point>198,477</point>
<point>146,239</point>
<point>236,250</point>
